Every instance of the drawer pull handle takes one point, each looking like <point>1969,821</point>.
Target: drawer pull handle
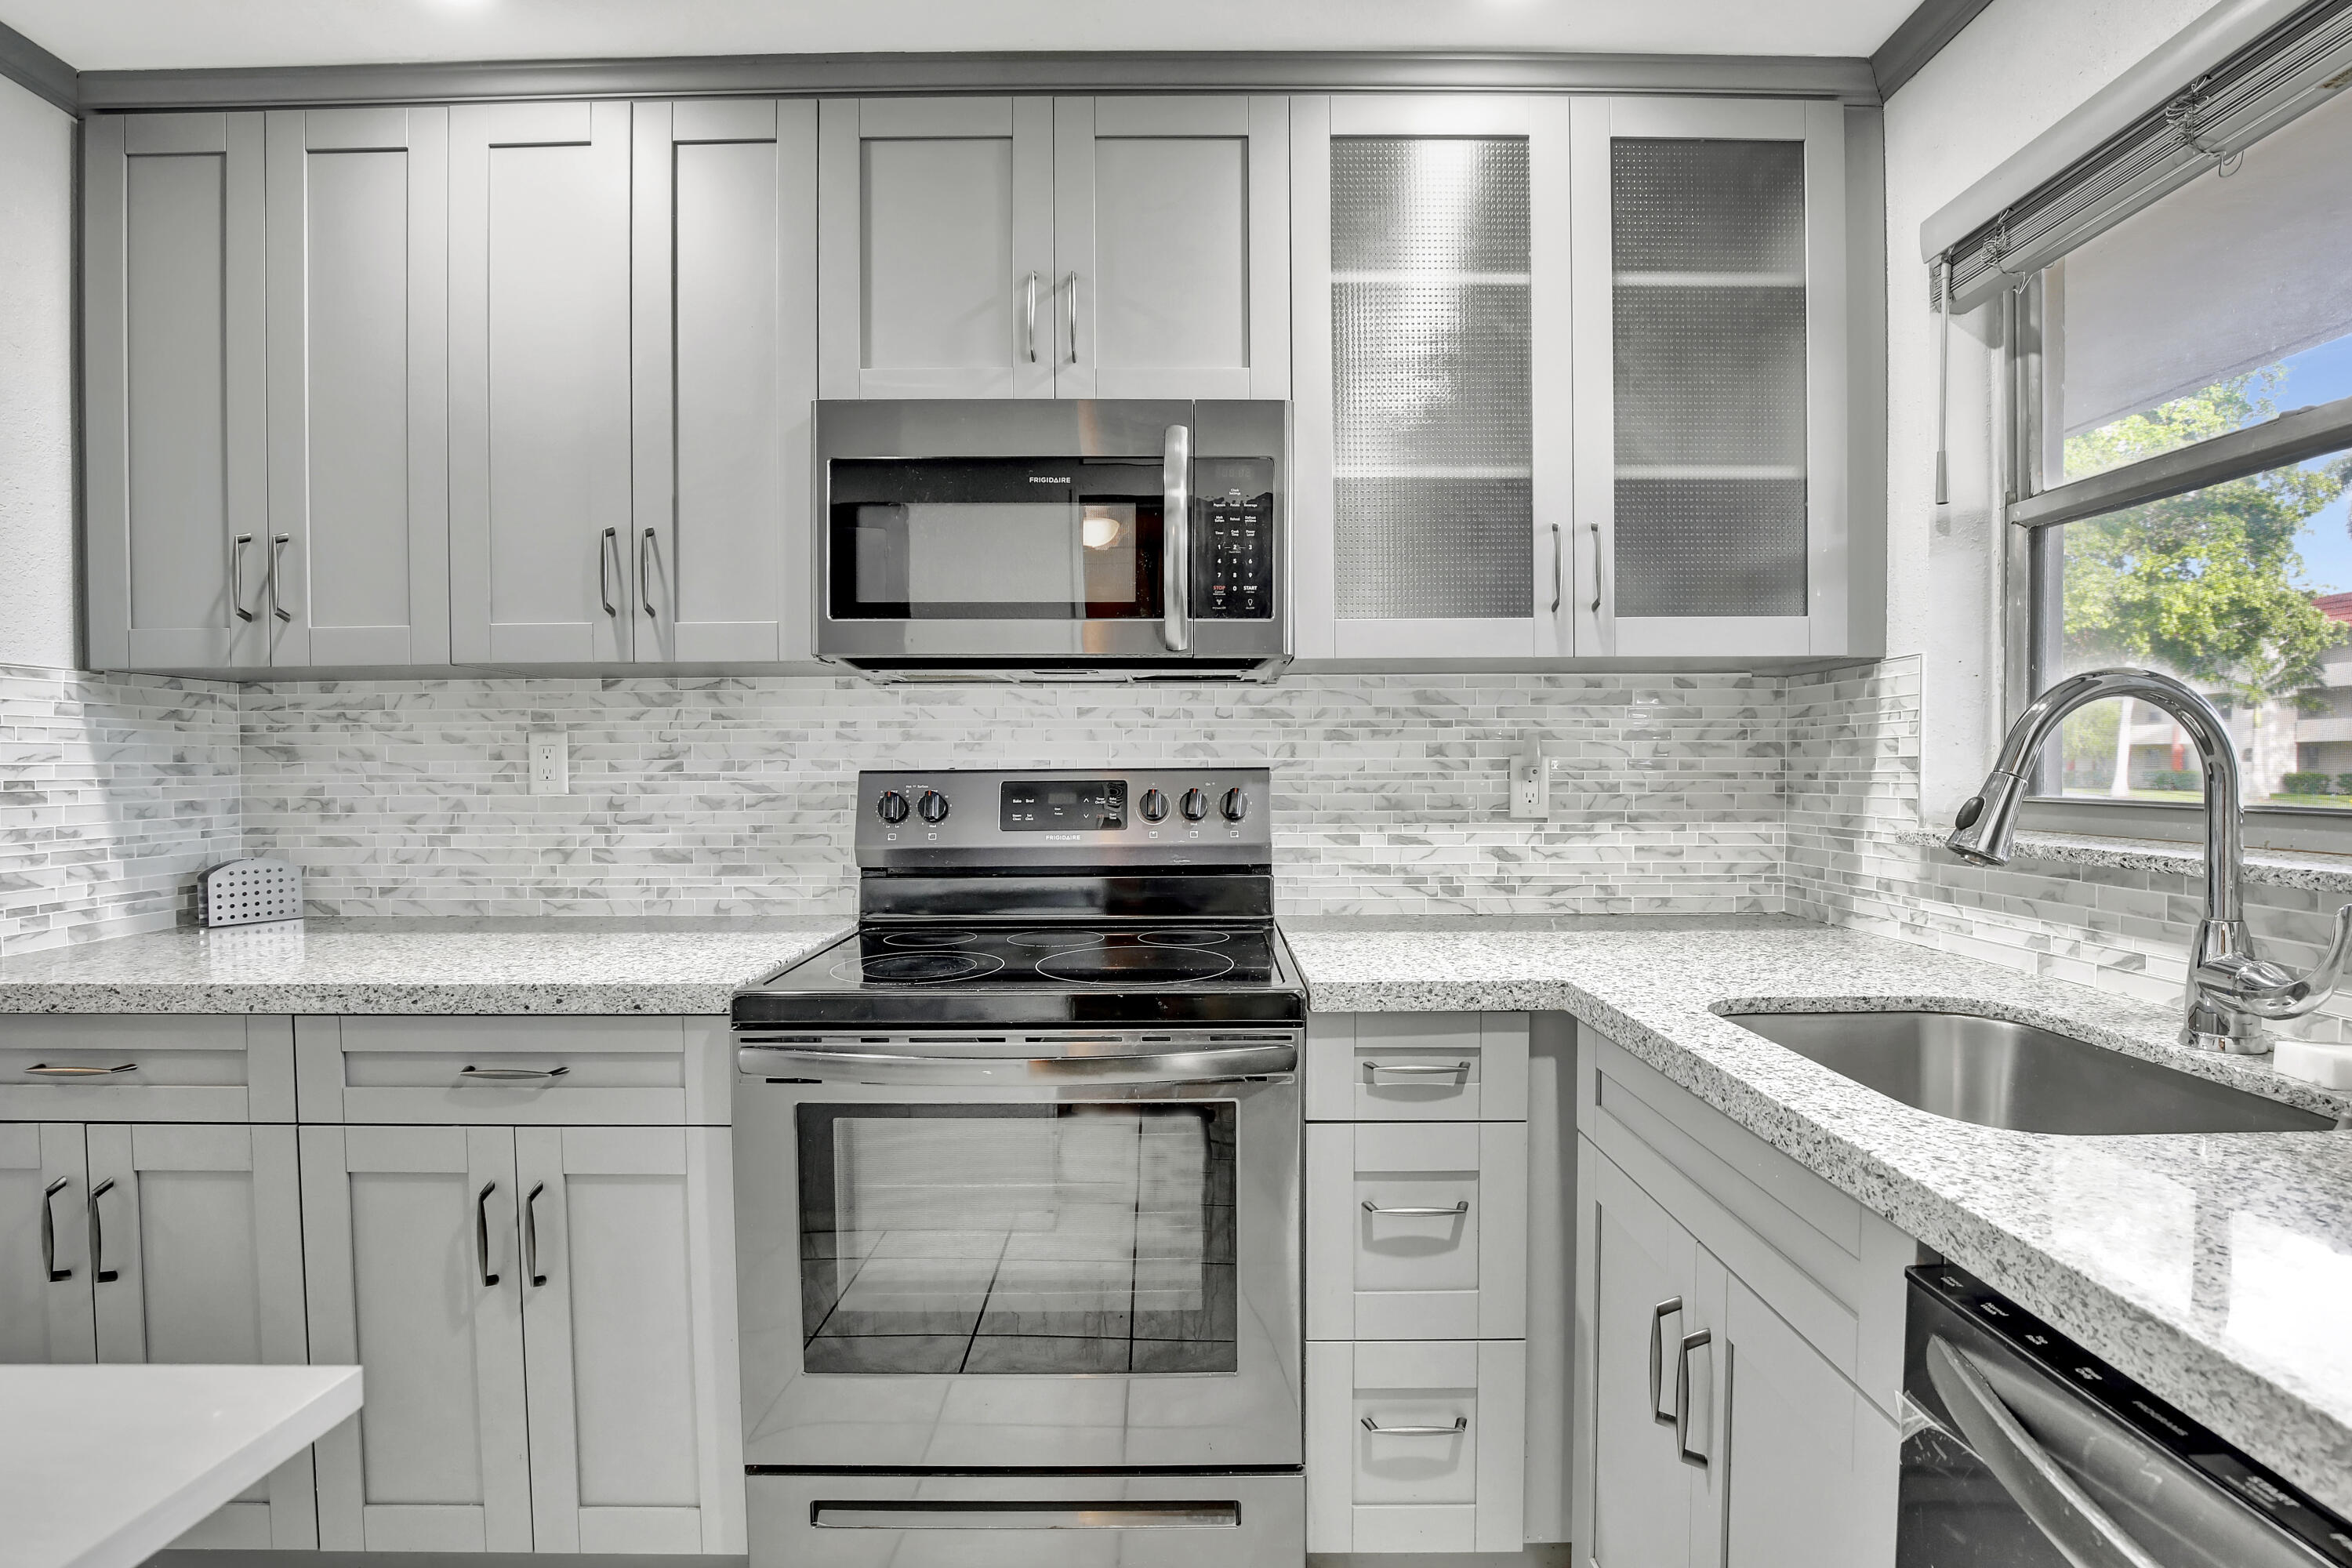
<point>1459,1209</point>
<point>1461,1424</point>
<point>1666,1308</point>
<point>1682,1397</point>
<point>47,1070</point>
<point>98,1268</point>
<point>49,1232</point>
<point>1416,1069</point>
<point>482,1232</point>
<point>511,1074</point>
<point>530,1235</point>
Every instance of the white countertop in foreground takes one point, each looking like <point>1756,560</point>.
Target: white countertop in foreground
<point>103,1467</point>
<point>580,966</point>
<point>2215,1268</point>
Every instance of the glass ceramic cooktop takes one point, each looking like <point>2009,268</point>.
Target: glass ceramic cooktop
<point>1126,959</point>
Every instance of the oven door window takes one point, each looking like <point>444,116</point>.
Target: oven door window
<point>1019,1238</point>
<point>994,540</point>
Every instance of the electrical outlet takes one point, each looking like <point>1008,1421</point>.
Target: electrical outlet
<point>1530,786</point>
<point>551,763</point>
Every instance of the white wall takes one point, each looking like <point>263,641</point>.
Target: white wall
<point>2012,72</point>
<point>37,593</point>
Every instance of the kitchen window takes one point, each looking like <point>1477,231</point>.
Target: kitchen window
<point>2182,447</point>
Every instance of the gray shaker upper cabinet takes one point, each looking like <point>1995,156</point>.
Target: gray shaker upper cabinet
<point>1171,247</point>
<point>174,365</point>
<point>936,247</point>
<point>1430,307</point>
<point>543,563</point>
<point>1711,372</point>
<point>359,460</point>
<point>725,326</point>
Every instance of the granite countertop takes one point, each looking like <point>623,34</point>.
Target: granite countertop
<point>424,966</point>
<point>2215,1268</point>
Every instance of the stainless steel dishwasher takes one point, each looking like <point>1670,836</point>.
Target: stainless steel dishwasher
<point>2022,1451</point>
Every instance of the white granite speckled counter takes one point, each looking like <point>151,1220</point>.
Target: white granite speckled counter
<point>412,966</point>
<point>2216,1269</point>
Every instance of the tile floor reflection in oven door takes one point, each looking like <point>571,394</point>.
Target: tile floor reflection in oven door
<point>994,1277</point>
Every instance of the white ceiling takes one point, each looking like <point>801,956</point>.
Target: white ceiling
<point>136,35</point>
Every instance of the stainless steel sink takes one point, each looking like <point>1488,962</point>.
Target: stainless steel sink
<point>2014,1076</point>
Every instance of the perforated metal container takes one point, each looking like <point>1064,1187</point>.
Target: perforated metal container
<point>249,892</point>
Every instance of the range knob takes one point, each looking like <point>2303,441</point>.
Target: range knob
<point>1236,806</point>
<point>1154,805</point>
<point>1195,805</point>
<point>892,807</point>
<point>932,807</point>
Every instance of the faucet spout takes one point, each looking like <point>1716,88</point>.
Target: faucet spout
<point>2229,987</point>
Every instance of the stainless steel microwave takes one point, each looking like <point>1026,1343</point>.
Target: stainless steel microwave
<point>1117,537</point>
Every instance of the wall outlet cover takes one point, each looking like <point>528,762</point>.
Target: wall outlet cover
<point>551,763</point>
<point>1530,788</point>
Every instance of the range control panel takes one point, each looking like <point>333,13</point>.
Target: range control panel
<point>1233,529</point>
<point>1073,817</point>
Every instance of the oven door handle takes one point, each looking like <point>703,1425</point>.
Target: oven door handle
<point>1176,539</point>
<point>1216,1063</point>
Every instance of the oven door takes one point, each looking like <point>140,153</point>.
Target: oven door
<point>1020,1255</point>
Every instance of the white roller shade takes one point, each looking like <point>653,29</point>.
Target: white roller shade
<point>2221,276</point>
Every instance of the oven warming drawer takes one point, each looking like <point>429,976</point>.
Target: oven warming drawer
<point>1036,1521</point>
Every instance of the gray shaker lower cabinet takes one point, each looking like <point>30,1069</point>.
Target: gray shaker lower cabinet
<point>1738,1341</point>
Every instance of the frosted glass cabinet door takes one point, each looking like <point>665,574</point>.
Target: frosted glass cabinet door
<point>1710,377</point>
<point>936,247</point>
<point>1429,317</point>
<point>358,559</point>
<point>196,1234</point>
<point>628,1333</point>
<point>410,1254</point>
<point>1171,247</point>
<point>724,211</point>
<point>539,383</point>
<point>174,369</point>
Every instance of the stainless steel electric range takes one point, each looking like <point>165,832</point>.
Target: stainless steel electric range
<point>1017,1186</point>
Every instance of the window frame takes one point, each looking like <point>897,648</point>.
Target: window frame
<point>2034,514</point>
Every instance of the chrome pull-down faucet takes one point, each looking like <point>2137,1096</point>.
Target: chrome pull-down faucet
<point>2230,989</point>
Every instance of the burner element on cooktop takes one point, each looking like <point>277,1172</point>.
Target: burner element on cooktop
<point>930,938</point>
<point>1057,938</point>
<point>1137,965</point>
<point>1183,938</point>
<point>916,968</point>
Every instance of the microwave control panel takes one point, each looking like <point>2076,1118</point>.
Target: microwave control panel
<point>1234,531</point>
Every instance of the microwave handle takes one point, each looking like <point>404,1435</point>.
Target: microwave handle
<point>1176,539</point>
<point>1219,1064</point>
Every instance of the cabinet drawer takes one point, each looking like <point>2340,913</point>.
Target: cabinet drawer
<point>1417,1067</point>
<point>1416,1231</point>
<point>514,1071</point>
<point>207,1067</point>
<point>1415,1445</point>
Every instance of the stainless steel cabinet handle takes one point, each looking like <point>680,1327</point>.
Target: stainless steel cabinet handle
<point>1462,1208</point>
<point>646,550</point>
<point>1033,318</point>
<point>1691,1342</point>
<point>45,1070</point>
<point>511,1074</point>
<point>1461,1424</point>
<point>277,543</point>
<point>1558,568</point>
<point>530,1235</point>
<point>482,1232</point>
<point>237,577</point>
<point>49,1231</point>
<point>1666,1308</point>
<point>1596,568</point>
<point>98,1268</point>
<point>1416,1069</point>
<point>2084,1531</point>
<point>1218,1065</point>
<point>1176,539</point>
<point>986,1515</point>
<point>608,560</point>
<point>1074,318</point>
